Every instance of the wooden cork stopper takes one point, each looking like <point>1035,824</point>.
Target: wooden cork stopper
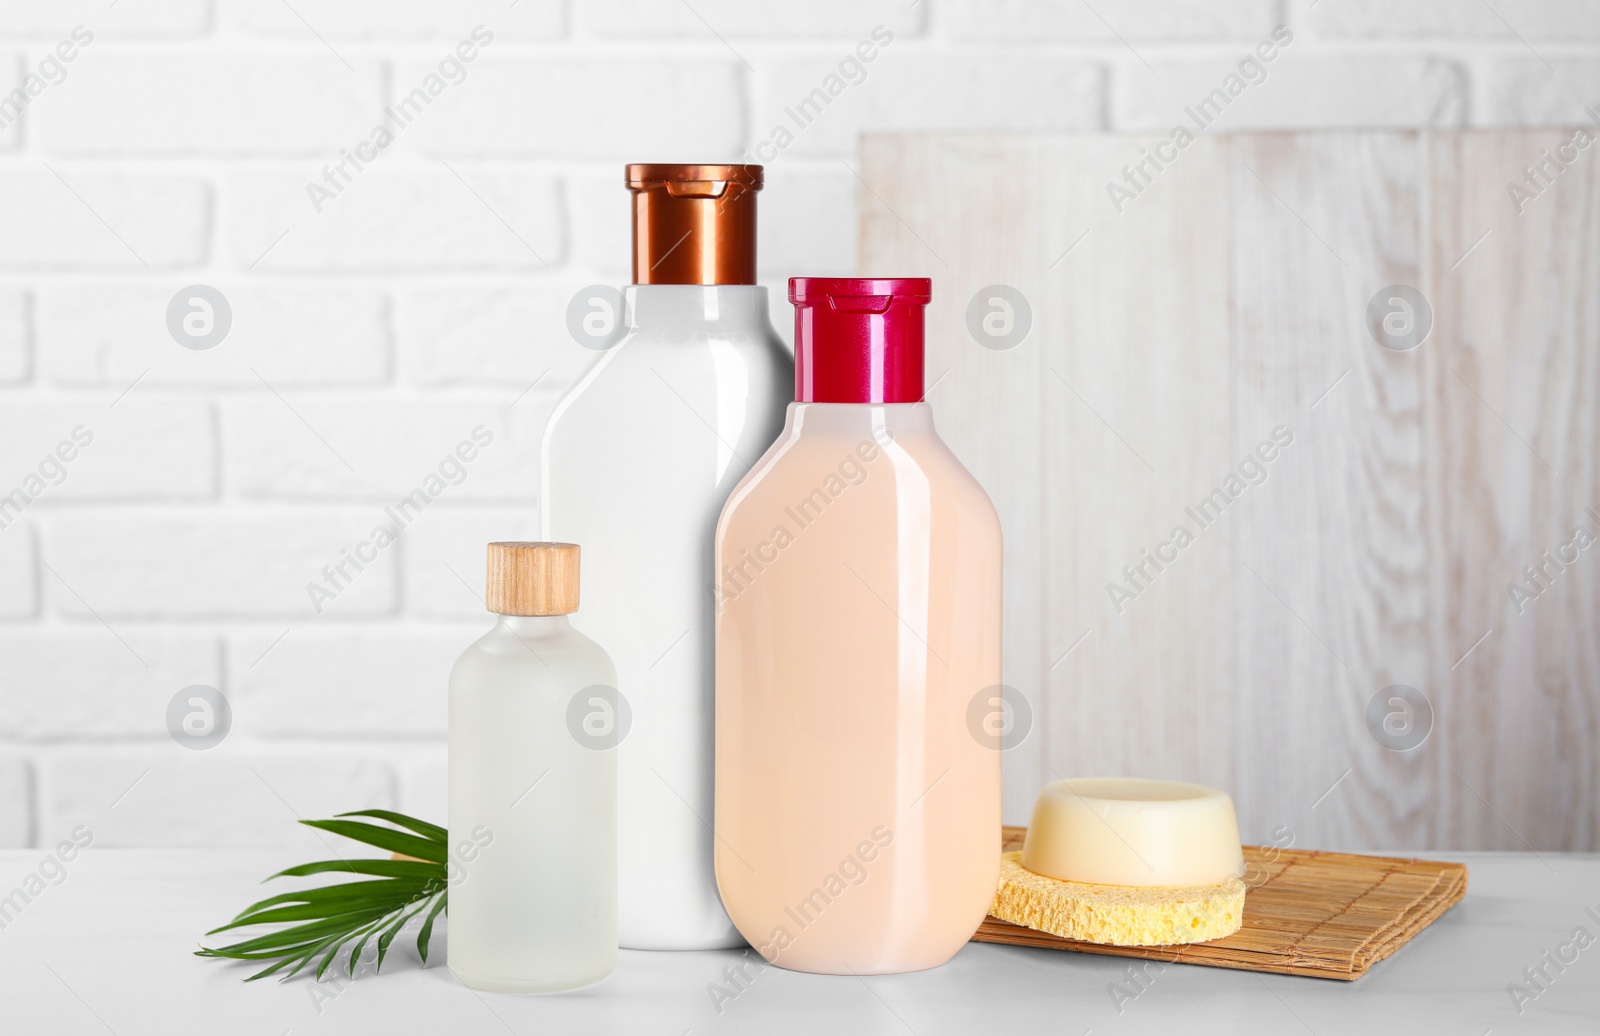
<point>532,579</point>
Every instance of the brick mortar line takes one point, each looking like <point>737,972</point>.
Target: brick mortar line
<point>688,51</point>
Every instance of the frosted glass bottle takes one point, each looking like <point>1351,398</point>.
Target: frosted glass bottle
<point>858,660</point>
<point>533,787</point>
<point>637,461</point>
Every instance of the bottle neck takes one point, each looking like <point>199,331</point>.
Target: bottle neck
<point>728,307</point>
<point>880,422</point>
<point>535,625</point>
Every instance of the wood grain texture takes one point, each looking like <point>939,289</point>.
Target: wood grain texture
<point>1314,914</point>
<point>532,578</point>
<point>1226,301</point>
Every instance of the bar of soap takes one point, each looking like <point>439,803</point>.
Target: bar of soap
<point>1130,831</point>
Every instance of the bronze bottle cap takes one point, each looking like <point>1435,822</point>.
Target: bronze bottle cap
<point>694,224</point>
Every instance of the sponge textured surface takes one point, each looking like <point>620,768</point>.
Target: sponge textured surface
<point>1117,915</point>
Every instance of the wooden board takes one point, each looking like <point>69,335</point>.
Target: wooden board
<point>1323,915</point>
<point>1228,299</point>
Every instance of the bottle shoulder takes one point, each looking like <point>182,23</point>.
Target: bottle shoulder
<point>650,373</point>
<point>559,654</point>
<point>585,644</point>
<point>757,346</point>
<point>863,461</point>
<point>667,418</point>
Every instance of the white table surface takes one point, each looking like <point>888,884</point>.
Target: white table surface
<point>109,950</point>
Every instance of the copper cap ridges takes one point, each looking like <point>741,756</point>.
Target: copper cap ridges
<point>694,224</point>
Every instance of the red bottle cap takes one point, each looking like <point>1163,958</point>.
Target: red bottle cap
<point>858,339</point>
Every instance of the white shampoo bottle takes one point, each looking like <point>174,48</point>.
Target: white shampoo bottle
<point>533,786</point>
<point>638,459</point>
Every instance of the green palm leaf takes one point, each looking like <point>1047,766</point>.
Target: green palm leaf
<point>384,838</point>
<point>382,868</point>
<point>427,929</point>
<point>324,921</point>
<point>432,832</point>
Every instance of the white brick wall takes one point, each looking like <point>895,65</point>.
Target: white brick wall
<point>171,19</point>
<point>156,564</point>
<point>399,215</point>
<point>14,353</point>
<point>66,685</point>
<point>221,102</point>
<point>16,801</point>
<point>101,334</point>
<point>140,449</point>
<point>1177,20</point>
<point>19,575</point>
<point>480,448</point>
<point>353,683</point>
<point>72,217</point>
<point>429,292</point>
<point>1356,90</point>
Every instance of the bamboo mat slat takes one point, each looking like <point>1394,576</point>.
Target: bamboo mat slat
<point>1325,915</point>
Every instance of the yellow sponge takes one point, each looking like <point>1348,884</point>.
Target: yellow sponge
<point>1117,915</point>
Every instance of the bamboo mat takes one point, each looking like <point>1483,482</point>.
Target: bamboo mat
<point>1326,915</point>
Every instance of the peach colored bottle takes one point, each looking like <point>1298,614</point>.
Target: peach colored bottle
<point>858,620</point>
